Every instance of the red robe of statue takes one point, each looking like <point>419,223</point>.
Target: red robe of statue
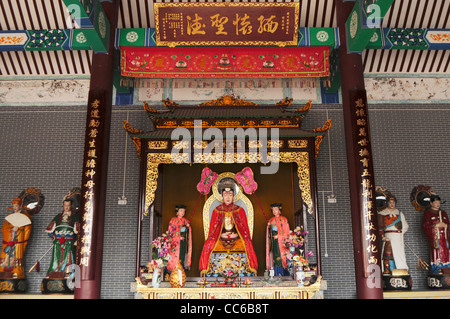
<point>438,238</point>
<point>215,229</point>
<point>282,225</point>
<point>174,253</point>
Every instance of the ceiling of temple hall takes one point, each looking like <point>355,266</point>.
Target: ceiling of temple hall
<point>52,14</point>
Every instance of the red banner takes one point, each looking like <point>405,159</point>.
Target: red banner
<point>208,62</point>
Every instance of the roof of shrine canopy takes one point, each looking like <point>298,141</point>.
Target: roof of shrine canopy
<point>227,112</point>
<point>228,106</point>
<point>53,14</point>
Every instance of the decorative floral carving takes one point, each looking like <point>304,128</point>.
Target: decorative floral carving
<point>228,100</point>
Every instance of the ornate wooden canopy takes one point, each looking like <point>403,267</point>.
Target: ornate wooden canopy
<point>223,113</point>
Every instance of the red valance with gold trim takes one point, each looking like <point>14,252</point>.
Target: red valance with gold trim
<point>208,62</point>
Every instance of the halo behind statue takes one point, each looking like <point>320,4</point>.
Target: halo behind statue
<point>33,200</point>
<point>420,197</point>
<point>225,180</point>
<point>381,195</point>
<point>75,195</point>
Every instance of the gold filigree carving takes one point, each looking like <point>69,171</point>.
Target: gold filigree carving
<point>306,108</point>
<point>158,145</point>
<point>317,141</point>
<point>275,143</point>
<point>153,161</point>
<point>270,144</point>
<point>285,102</point>
<point>227,123</point>
<point>181,144</point>
<point>170,123</point>
<point>187,123</point>
<point>298,143</point>
<point>228,100</point>
<point>285,123</point>
<point>267,123</point>
<point>200,144</point>
<point>319,138</point>
<point>251,123</point>
<point>127,126</point>
<point>137,143</point>
<point>169,103</point>
<point>326,127</point>
<point>136,140</point>
<point>300,158</point>
<point>149,109</point>
<point>253,292</point>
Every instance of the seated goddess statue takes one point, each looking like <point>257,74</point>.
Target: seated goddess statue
<point>228,247</point>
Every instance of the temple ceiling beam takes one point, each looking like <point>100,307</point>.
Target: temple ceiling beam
<point>83,39</point>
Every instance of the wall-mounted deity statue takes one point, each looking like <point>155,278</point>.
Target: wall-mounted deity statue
<point>16,231</point>
<point>63,231</point>
<point>435,224</point>
<point>392,226</point>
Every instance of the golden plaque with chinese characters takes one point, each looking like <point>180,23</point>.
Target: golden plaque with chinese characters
<point>226,23</point>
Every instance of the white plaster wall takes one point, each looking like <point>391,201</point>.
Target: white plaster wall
<point>44,92</point>
<point>408,89</point>
<point>402,90</point>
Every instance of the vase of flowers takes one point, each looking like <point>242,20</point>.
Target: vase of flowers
<point>156,279</point>
<point>300,276</point>
<point>296,258</point>
<point>160,252</point>
<point>230,276</point>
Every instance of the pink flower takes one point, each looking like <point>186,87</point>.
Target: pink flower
<point>229,273</point>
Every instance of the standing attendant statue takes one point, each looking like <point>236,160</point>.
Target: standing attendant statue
<point>435,224</point>
<point>63,230</point>
<point>181,247</point>
<point>392,227</point>
<point>276,233</point>
<point>16,232</point>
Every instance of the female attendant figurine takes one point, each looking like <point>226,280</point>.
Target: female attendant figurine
<point>435,225</point>
<point>276,233</point>
<point>181,247</point>
<point>393,226</point>
<point>16,231</point>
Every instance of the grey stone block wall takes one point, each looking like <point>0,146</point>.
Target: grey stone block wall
<point>42,147</point>
<point>412,144</point>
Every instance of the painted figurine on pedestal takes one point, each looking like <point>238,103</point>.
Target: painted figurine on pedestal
<point>229,236</point>
<point>276,233</point>
<point>16,232</point>
<point>393,226</point>
<point>435,224</point>
<point>181,246</point>
<point>63,230</point>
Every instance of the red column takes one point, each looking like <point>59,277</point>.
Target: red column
<point>95,166</point>
<point>366,243</point>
